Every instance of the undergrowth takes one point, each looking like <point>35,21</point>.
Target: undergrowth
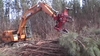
<point>87,44</point>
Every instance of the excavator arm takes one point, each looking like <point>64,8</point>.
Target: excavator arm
<point>39,7</point>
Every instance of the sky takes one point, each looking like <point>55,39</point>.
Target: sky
<point>80,3</point>
<point>68,0</point>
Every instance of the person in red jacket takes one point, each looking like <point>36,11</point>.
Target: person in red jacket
<point>61,19</point>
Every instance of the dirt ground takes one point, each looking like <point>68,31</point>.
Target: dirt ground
<point>29,48</point>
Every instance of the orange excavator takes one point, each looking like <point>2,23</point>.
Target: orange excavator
<point>20,34</point>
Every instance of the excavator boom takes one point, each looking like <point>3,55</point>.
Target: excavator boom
<point>39,7</point>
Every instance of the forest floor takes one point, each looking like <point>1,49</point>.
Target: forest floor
<point>28,48</point>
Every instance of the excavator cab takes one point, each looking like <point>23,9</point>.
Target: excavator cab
<point>12,36</point>
<point>9,36</point>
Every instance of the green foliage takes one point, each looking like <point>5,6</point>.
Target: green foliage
<point>78,45</point>
<point>68,41</point>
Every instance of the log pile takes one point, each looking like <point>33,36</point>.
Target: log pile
<point>42,48</point>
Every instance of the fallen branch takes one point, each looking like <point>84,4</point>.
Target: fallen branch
<point>41,47</point>
<point>42,52</point>
<point>81,44</point>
